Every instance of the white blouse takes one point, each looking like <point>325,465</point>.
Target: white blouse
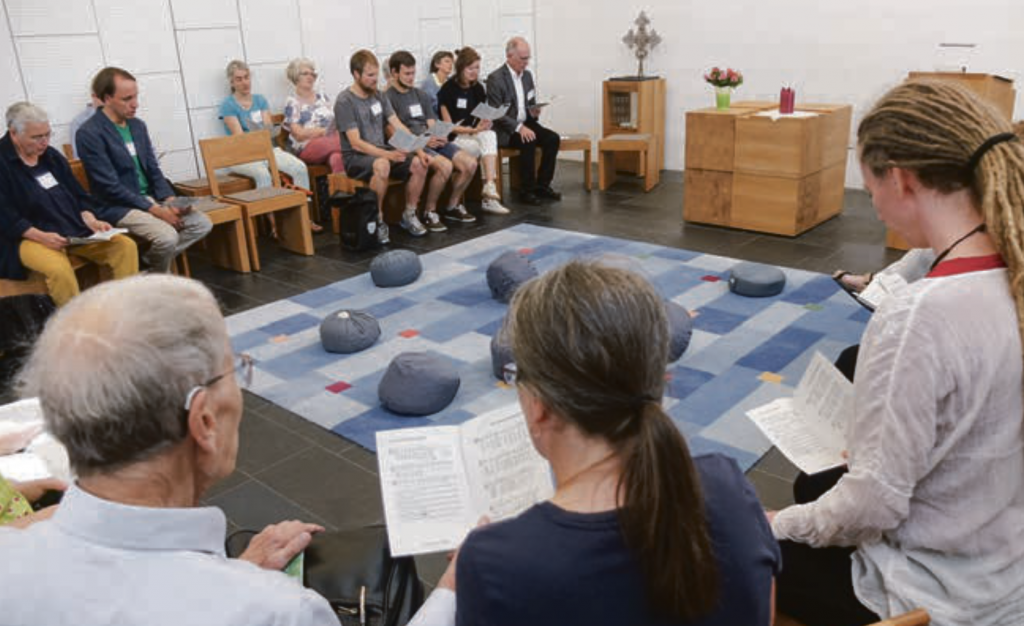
<point>934,499</point>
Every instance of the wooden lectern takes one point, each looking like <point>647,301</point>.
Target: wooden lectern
<point>996,90</point>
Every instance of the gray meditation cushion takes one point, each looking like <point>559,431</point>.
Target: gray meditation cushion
<point>395,268</point>
<point>680,326</point>
<point>756,281</point>
<point>417,383</point>
<point>507,272</point>
<point>501,352</point>
<point>348,331</point>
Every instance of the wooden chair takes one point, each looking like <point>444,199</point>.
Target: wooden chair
<point>289,207</point>
<point>315,172</point>
<point>644,144</point>
<point>917,617</point>
<point>569,143</point>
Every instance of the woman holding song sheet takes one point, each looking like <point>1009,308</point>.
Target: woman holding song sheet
<point>931,509</point>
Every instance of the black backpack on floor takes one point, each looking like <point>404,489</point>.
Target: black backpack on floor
<point>358,218</point>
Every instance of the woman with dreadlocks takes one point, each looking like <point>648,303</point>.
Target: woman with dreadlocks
<point>931,510</point>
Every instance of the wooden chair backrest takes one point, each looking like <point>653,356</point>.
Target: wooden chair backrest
<point>79,171</point>
<point>69,152</point>
<point>917,617</point>
<point>222,152</point>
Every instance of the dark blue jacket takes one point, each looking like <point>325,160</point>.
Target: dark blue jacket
<point>111,168</point>
<point>24,204</point>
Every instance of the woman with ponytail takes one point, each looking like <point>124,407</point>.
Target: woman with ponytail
<point>931,510</point>
<point>638,531</point>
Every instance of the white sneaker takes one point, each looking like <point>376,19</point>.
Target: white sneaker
<point>491,190</point>
<point>492,206</point>
<point>433,221</point>
<point>382,234</point>
<point>412,224</point>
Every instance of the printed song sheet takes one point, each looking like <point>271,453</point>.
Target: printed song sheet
<point>438,481</point>
<point>441,128</point>
<point>102,235</point>
<point>810,427</point>
<point>881,287</point>
<point>484,111</point>
<point>43,457</point>
<point>407,142</point>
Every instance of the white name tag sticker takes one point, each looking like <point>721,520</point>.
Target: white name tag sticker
<point>256,116</point>
<point>462,103</point>
<point>530,95</point>
<point>376,109</point>
<point>416,110</point>
<point>131,148</point>
<point>47,181</point>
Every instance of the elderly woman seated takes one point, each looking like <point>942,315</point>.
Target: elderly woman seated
<point>138,381</point>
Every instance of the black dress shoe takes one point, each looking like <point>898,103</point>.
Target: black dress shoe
<point>530,199</point>
<point>547,193</point>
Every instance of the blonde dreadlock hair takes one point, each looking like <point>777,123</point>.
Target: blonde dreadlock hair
<point>932,128</point>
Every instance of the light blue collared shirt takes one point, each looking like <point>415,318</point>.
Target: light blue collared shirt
<point>100,562</point>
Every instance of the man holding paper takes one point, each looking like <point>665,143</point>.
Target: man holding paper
<point>362,116</point>
<point>42,205</point>
<point>413,108</point>
<point>520,128</point>
<point>125,176</point>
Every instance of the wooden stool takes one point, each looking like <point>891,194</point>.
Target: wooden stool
<point>644,144</point>
<point>571,143</point>
<point>228,183</point>
<point>226,243</point>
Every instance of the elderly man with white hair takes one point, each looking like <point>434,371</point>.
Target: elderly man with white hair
<point>138,381</point>
<point>520,128</point>
<point>42,206</point>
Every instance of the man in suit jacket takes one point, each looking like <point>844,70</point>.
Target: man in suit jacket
<point>512,84</point>
<point>124,174</point>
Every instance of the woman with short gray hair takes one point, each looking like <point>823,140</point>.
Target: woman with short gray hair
<point>309,119</point>
<point>138,381</point>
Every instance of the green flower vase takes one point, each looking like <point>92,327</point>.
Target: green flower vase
<point>723,96</point>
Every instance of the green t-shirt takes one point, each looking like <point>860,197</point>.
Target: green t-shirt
<point>129,141</point>
<point>12,504</point>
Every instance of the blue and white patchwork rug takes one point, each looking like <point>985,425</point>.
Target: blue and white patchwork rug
<point>744,351</point>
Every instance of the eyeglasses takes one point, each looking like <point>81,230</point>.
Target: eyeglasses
<point>308,73</point>
<point>510,373</point>
<point>243,368</point>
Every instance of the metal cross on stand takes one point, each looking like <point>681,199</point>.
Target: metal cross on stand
<point>641,41</point>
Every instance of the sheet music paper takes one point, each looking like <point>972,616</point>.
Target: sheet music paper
<point>102,235</point>
<point>407,142</point>
<point>810,427</point>
<point>438,481</point>
<point>43,457</point>
<point>484,111</point>
<point>441,128</point>
<point>881,287</point>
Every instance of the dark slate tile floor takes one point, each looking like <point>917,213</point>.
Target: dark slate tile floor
<point>289,468</point>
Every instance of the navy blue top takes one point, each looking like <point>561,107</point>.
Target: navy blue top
<point>111,168</point>
<point>25,202</point>
<point>551,567</point>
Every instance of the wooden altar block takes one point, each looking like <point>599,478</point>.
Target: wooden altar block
<point>711,137</point>
<point>995,90</point>
<point>785,205</point>
<point>707,196</point>
<point>894,241</point>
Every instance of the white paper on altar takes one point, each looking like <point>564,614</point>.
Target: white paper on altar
<point>777,115</point>
<point>810,427</point>
<point>437,482</point>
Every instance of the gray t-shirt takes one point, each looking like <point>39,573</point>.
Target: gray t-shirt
<point>369,115</point>
<point>412,107</point>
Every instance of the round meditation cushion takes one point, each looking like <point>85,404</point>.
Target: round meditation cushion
<point>395,268</point>
<point>418,383</point>
<point>756,281</point>
<point>506,273</point>
<point>501,352</point>
<point>348,331</point>
<point>680,326</point>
